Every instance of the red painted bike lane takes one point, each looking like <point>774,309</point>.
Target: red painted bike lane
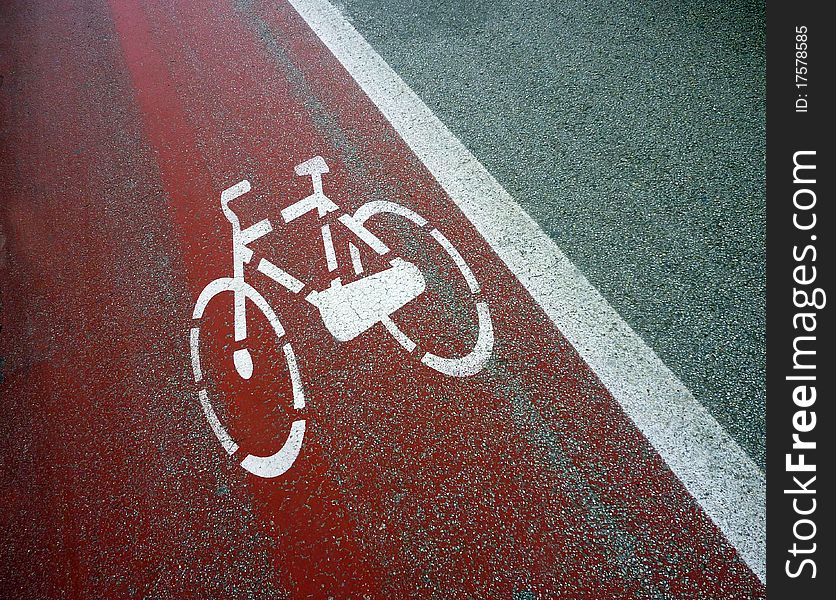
<point>524,476</point>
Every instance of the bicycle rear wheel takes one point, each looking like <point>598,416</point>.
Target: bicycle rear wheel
<point>479,355</point>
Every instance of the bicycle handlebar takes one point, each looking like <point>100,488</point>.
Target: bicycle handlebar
<point>233,192</point>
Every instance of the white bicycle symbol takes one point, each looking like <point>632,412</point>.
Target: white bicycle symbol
<point>347,310</point>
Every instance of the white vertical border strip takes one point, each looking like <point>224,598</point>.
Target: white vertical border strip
<point>721,477</point>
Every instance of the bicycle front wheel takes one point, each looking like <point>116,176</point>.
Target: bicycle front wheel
<point>279,462</point>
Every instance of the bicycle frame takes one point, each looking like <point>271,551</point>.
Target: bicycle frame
<point>347,309</point>
<point>346,312</point>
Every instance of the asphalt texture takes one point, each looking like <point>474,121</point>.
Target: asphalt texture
<point>633,133</point>
<point>121,122</point>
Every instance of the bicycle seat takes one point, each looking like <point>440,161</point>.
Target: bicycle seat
<point>312,166</point>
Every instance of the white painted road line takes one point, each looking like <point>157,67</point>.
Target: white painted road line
<point>721,477</point>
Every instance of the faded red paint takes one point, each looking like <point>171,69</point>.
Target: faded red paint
<point>524,477</point>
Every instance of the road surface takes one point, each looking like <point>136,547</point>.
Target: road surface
<point>479,420</point>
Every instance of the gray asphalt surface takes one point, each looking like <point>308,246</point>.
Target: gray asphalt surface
<point>633,133</point>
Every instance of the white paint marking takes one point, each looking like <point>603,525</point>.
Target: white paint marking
<point>193,345</point>
<point>278,463</point>
<point>473,362</point>
<point>384,206</point>
<point>318,202</point>
<point>355,259</point>
<point>226,441</point>
<point>240,288</point>
<point>723,479</point>
<point>328,244</point>
<point>349,310</point>
<point>243,362</point>
<point>295,378</point>
<point>315,168</point>
<point>364,234</point>
<point>403,339</point>
<point>280,276</point>
<point>254,232</point>
<point>481,353</point>
<point>232,192</point>
<point>457,258</point>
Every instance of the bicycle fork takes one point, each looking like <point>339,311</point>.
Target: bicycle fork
<point>241,255</point>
